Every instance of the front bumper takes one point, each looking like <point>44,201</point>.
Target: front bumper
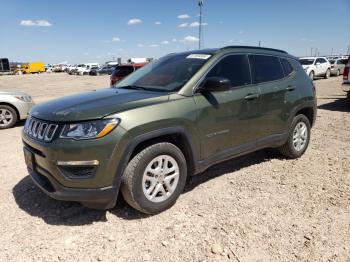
<point>99,198</point>
<point>96,188</point>
<point>23,108</point>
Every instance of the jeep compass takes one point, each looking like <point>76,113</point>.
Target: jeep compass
<point>171,119</point>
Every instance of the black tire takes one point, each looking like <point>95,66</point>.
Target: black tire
<point>14,117</point>
<point>288,148</point>
<point>312,75</point>
<point>348,96</point>
<point>132,183</point>
<point>328,74</point>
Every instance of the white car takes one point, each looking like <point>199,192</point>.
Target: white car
<point>84,69</point>
<point>316,66</point>
<point>14,106</point>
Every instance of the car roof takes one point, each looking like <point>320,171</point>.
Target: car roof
<point>248,49</point>
<point>312,57</point>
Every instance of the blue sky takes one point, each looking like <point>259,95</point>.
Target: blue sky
<point>97,31</point>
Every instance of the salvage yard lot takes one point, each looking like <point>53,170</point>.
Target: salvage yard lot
<point>260,206</point>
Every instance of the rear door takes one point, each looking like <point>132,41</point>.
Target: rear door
<point>268,74</point>
<point>226,119</point>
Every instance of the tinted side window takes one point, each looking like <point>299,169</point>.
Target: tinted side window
<point>318,60</point>
<point>265,68</point>
<point>233,67</point>
<point>287,67</point>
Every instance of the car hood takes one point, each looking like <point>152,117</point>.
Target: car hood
<point>95,104</point>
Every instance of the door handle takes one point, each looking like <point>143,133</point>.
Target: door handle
<point>251,96</point>
<point>290,88</point>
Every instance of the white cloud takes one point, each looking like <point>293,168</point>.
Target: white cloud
<point>165,42</point>
<point>184,16</point>
<point>140,45</point>
<point>134,21</point>
<point>196,24</point>
<point>157,23</point>
<point>173,40</point>
<point>115,39</point>
<point>190,39</point>
<point>153,45</point>
<point>44,23</point>
<point>86,53</point>
<point>183,25</point>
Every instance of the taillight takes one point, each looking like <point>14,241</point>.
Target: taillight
<point>346,73</point>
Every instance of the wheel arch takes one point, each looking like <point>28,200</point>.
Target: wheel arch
<point>309,112</point>
<point>176,135</point>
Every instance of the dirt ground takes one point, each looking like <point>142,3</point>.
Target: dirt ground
<point>260,207</point>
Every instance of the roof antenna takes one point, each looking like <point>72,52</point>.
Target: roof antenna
<point>200,4</point>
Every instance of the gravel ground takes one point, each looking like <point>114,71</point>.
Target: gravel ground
<point>256,207</point>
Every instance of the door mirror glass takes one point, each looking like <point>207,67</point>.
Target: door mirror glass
<point>213,84</point>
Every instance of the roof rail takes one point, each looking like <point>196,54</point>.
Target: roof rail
<point>254,47</point>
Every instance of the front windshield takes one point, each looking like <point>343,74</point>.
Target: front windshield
<point>306,61</point>
<point>167,74</point>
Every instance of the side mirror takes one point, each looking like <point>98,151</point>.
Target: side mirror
<point>213,84</point>
<point>318,63</point>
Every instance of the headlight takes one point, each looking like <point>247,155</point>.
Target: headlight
<point>24,98</point>
<point>89,130</point>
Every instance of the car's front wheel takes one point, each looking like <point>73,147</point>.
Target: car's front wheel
<point>312,75</point>
<point>8,117</point>
<point>154,178</point>
<point>298,138</point>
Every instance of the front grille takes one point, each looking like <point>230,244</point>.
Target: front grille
<point>40,130</point>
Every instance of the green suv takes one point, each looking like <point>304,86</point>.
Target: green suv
<point>168,120</point>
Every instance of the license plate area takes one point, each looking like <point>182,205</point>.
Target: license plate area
<point>29,158</point>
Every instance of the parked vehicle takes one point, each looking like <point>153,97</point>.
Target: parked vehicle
<point>71,68</point>
<point>172,118</point>
<point>34,67</point>
<point>14,106</point>
<point>122,71</point>
<point>337,66</point>
<point>137,60</point>
<point>316,66</point>
<point>84,69</point>
<point>346,80</point>
<point>4,66</point>
<point>105,70</point>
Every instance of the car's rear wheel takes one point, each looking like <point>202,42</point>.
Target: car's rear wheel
<point>298,138</point>
<point>154,178</point>
<point>8,116</point>
<point>328,74</point>
<point>312,75</point>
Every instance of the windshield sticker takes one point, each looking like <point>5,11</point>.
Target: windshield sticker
<point>199,56</point>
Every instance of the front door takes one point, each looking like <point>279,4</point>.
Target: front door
<point>226,119</point>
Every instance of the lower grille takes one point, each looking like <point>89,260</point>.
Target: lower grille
<point>40,130</point>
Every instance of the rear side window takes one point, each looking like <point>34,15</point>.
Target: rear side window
<point>233,67</point>
<point>287,67</point>
<point>265,68</point>
<point>123,71</point>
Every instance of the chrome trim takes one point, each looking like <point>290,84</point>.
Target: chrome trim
<point>78,163</point>
<point>40,130</point>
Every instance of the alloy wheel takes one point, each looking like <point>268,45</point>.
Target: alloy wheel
<point>160,178</point>
<point>300,135</point>
<point>6,117</point>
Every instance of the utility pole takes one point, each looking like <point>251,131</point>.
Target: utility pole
<point>311,50</point>
<point>259,43</point>
<point>332,51</point>
<point>200,4</point>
